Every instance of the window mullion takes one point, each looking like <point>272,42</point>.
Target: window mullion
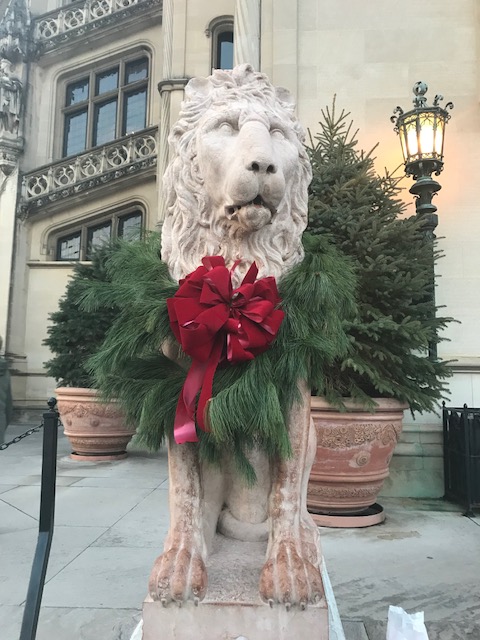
<point>90,113</point>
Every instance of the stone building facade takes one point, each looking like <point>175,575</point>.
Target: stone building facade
<point>90,88</point>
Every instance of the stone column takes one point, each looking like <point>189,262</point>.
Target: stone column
<point>173,80</point>
<point>8,201</point>
<point>164,126</point>
<point>246,40</point>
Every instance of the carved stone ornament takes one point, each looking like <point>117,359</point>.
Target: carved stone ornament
<point>80,410</point>
<point>124,157</point>
<point>343,436</point>
<point>11,97</point>
<point>14,29</point>
<point>8,159</point>
<point>83,19</point>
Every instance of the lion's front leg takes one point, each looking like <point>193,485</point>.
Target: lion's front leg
<point>291,574</point>
<point>179,574</point>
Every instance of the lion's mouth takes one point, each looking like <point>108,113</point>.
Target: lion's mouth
<point>232,210</point>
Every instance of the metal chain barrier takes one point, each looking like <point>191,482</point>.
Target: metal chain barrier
<point>5,445</point>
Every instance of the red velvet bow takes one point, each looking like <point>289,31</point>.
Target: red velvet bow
<point>215,323</point>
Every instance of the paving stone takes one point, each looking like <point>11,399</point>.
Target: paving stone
<point>17,549</point>
<point>74,504</point>
<point>354,630</point>
<point>102,577</point>
<point>146,525</point>
<point>73,623</point>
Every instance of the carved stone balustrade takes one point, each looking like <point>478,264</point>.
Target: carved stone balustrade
<point>83,17</point>
<point>95,168</point>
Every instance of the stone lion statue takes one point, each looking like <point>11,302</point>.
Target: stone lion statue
<point>237,187</point>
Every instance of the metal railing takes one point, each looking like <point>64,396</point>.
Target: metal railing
<point>461,442</point>
<point>46,523</point>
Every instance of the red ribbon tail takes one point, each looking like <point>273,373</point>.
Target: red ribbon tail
<point>184,426</point>
<point>206,392</point>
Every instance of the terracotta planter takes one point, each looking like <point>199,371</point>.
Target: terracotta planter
<point>354,450</point>
<point>96,431</point>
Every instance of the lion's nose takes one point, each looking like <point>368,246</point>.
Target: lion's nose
<point>262,166</point>
<point>255,147</point>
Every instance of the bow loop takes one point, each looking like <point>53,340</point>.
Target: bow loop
<point>215,323</point>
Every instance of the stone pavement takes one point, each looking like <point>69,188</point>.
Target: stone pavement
<point>111,518</point>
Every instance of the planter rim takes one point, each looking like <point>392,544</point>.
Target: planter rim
<point>76,391</point>
<point>383,404</point>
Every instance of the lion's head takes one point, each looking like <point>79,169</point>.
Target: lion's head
<point>237,183</point>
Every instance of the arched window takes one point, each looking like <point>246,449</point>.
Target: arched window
<point>221,32</point>
<point>77,242</point>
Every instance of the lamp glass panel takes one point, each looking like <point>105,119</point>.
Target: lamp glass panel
<point>411,138</point>
<point>403,142</point>
<point>439,131</point>
<point>426,124</point>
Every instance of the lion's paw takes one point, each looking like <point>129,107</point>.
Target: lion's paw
<point>178,575</point>
<point>289,579</point>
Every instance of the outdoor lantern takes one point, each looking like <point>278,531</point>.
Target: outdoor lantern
<point>421,131</point>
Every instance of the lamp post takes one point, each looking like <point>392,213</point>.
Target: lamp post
<point>421,131</point>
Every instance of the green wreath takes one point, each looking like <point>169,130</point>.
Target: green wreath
<point>251,400</point>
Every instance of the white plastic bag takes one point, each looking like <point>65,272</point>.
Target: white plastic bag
<point>405,626</point>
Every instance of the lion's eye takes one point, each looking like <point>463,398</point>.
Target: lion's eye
<point>225,127</point>
<point>277,133</point>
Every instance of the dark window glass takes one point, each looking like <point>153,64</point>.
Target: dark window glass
<point>105,122</point>
<point>130,226</point>
<point>77,92</point>
<point>106,81</point>
<point>114,104</point>
<point>75,135</point>
<point>225,50</point>
<point>136,70</point>
<point>98,235</point>
<point>79,245</point>
<point>135,111</point>
<point>68,247</point>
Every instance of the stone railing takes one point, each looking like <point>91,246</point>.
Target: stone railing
<point>81,18</point>
<point>99,166</point>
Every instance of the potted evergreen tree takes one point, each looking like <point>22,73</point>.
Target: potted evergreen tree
<point>359,411</point>
<point>97,431</point>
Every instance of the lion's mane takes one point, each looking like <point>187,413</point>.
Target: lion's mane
<point>191,231</point>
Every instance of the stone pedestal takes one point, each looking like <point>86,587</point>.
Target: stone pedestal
<point>232,609</point>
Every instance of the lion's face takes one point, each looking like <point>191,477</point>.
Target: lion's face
<point>245,160</point>
<point>238,184</point>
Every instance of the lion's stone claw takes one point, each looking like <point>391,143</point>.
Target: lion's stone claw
<point>178,575</point>
<point>289,579</point>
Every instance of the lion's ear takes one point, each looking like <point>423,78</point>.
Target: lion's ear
<point>285,98</point>
<point>198,88</point>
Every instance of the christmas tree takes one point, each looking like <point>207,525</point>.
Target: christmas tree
<point>396,321</point>
<point>75,334</point>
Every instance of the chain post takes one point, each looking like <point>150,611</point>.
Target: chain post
<point>46,523</point>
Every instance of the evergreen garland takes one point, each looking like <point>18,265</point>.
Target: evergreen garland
<point>250,400</point>
<point>396,320</point>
